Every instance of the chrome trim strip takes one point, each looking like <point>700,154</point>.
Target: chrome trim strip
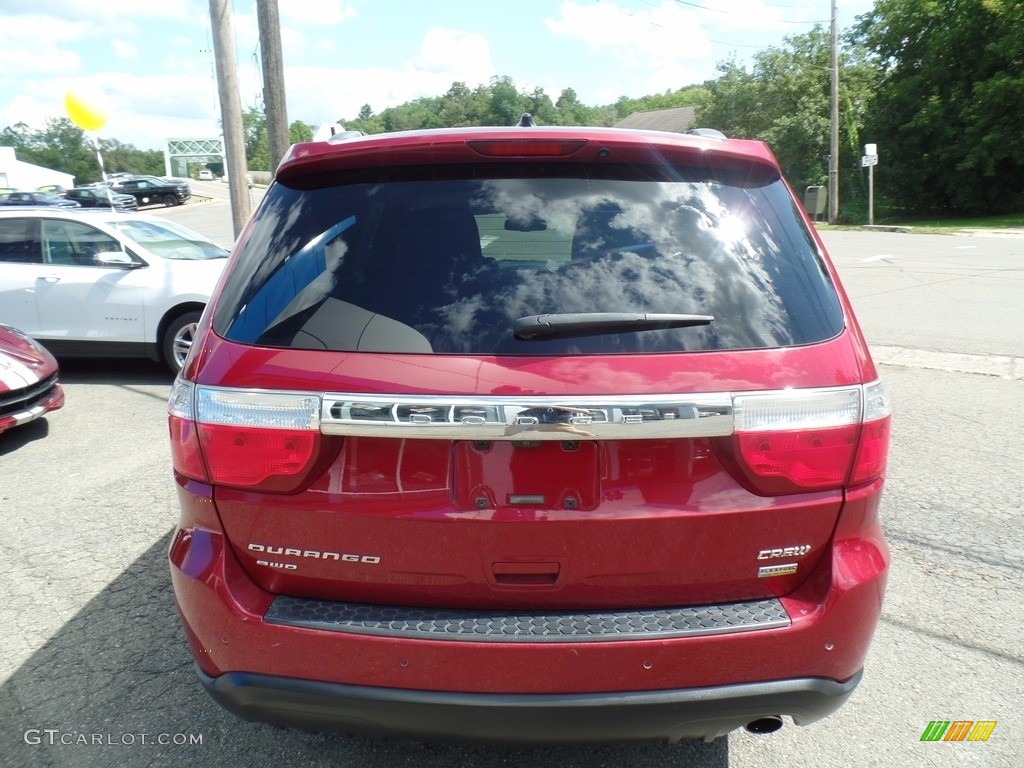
<point>23,417</point>
<point>527,418</point>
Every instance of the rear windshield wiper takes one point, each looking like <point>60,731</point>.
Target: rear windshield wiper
<point>596,323</point>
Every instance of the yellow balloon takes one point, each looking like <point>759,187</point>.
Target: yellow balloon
<point>88,117</point>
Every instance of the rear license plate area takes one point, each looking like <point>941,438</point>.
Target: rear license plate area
<point>527,474</point>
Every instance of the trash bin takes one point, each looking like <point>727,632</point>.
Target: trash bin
<point>815,201</point>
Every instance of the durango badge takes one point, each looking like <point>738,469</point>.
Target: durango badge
<point>314,554</point>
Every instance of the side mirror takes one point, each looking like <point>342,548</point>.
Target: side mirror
<point>118,259</point>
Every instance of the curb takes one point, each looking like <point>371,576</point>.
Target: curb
<point>1000,366</point>
<point>887,228</point>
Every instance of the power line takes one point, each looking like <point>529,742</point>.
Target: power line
<point>733,13</point>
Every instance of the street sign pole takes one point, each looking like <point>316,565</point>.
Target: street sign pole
<point>871,195</point>
<point>870,160</point>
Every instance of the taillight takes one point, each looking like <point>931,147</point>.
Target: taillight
<point>186,456</point>
<point>810,440</point>
<point>265,441</point>
<point>873,452</point>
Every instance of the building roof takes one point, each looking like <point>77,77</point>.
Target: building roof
<point>677,120</point>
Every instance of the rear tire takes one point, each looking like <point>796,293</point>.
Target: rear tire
<point>178,338</point>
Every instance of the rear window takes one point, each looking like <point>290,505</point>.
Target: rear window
<point>445,260</point>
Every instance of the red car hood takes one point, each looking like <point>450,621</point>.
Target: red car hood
<point>22,364</point>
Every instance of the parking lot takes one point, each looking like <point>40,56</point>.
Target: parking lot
<point>95,672</point>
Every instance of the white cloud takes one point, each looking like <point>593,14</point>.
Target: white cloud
<point>600,49</point>
<point>101,12</point>
<point>143,111</point>
<point>667,31</point>
<point>123,49</point>
<point>325,94</point>
<point>161,96</point>
<point>649,51</point>
<point>460,53</point>
<point>42,41</point>
<point>315,13</point>
<point>29,110</point>
<point>668,77</point>
<point>735,15</point>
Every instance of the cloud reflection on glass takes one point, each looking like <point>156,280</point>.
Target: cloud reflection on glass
<point>539,246</point>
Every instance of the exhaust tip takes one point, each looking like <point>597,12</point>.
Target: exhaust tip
<point>764,725</point>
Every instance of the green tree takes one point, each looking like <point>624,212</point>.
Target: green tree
<point>17,136</point>
<point>785,101</point>
<point>570,111</point>
<point>257,143</point>
<point>422,113</point>
<point>456,107</point>
<point>126,157</point>
<point>950,103</point>
<point>540,106</point>
<point>497,103</point>
<point>367,122</point>
<point>506,104</point>
<point>63,146</point>
<point>257,147</point>
<point>299,132</point>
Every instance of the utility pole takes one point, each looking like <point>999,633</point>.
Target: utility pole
<point>278,137</point>
<point>833,156</point>
<point>230,111</point>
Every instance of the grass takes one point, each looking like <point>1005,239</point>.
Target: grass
<point>986,222</point>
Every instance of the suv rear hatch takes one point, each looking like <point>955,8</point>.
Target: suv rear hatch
<point>505,380</point>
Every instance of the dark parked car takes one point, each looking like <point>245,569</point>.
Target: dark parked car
<point>532,434</point>
<point>100,196</point>
<point>29,375</point>
<point>150,190</point>
<point>48,199</point>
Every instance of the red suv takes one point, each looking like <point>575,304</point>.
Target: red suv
<point>530,434</point>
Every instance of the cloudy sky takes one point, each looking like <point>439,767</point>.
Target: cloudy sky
<point>149,66</point>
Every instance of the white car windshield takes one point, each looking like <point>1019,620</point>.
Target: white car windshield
<point>170,240</point>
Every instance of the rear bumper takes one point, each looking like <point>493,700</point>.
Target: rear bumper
<point>705,713</point>
<point>319,673</point>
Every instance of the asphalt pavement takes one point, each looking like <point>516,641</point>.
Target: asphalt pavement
<point>94,670</point>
